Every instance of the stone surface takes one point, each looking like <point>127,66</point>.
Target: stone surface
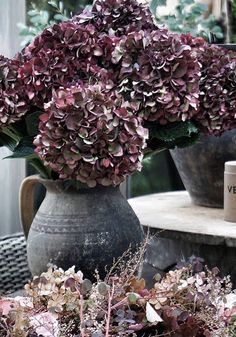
<point>182,230</point>
<point>175,216</point>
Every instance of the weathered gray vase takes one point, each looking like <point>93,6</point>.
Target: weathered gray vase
<point>201,167</point>
<point>87,228</point>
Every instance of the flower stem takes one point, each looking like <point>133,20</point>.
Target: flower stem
<point>81,314</point>
<point>149,153</point>
<point>108,317</point>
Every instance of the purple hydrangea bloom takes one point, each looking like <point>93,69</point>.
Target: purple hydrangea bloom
<point>13,103</point>
<point>87,135</point>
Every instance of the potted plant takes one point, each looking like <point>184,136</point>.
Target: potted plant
<point>83,103</point>
<point>204,178</point>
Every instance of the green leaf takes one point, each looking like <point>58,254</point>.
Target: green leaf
<point>132,297</point>
<point>157,277</point>
<point>39,166</point>
<point>199,9</point>
<point>172,130</point>
<point>60,17</point>
<point>32,123</point>
<point>61,7</point>
<point>24,149</point>
<point>53,3</point>
<point>168,136</point>
<point>86,286</point>
<point>7,141</point>
<point>155,3</point>
<point>102,288</point>
<point>32,12</point>
<point>189,18</point>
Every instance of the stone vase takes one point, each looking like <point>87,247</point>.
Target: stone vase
<point>201,167</point>
<point>87,228</point>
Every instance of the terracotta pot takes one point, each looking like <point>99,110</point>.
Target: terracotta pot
<point>87,228</point>
<point>201,167</point>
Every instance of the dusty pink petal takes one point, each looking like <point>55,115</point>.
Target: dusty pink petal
<point>24,301</point>
<point>7,303</point>
<point>45,324</point>
<point>136,327</point>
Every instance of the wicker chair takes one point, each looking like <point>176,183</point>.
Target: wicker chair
<point>14,271</point>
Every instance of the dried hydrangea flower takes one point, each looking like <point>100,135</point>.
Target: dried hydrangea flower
<point>217,91</point>
<point>80,49</point>
<point>161,73</point>
<point>60,55</point>
<point>118,43</point>
<point>217,98</point>
<point>118,17</point>
<point>87,135</point>
<point>13,103</point>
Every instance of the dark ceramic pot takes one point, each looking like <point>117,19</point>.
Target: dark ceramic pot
<point>201,167</point>
<point>87,228</point>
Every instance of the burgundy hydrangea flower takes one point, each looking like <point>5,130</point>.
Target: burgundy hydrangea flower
<point>160,73</point>
<point>63,54</point>
<point>13,104</point>
<point>118,17</point>
<point>149,66</point>
<point>93,132</point>
<point>217,91</point>
<point>87,135</point>
<point>79,50</point>
<point>217,98</point>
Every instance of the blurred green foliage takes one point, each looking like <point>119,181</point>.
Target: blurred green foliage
<point>70,5</point>
<point>158,175</point>
<point>43,13</point>
<point>189,17</point>
<point>233,21</point>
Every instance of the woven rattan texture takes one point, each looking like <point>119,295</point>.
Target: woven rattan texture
<point>14,271</point>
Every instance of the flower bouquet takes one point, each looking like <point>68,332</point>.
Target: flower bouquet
<point>191,301</point>
<point>90,96</point>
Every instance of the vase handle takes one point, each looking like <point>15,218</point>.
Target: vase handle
<point>26,202</point>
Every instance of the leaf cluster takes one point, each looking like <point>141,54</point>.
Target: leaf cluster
<point>189,17</point>
<point>40,18</point>
<point>19,140</point>
<point>180,134</point>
